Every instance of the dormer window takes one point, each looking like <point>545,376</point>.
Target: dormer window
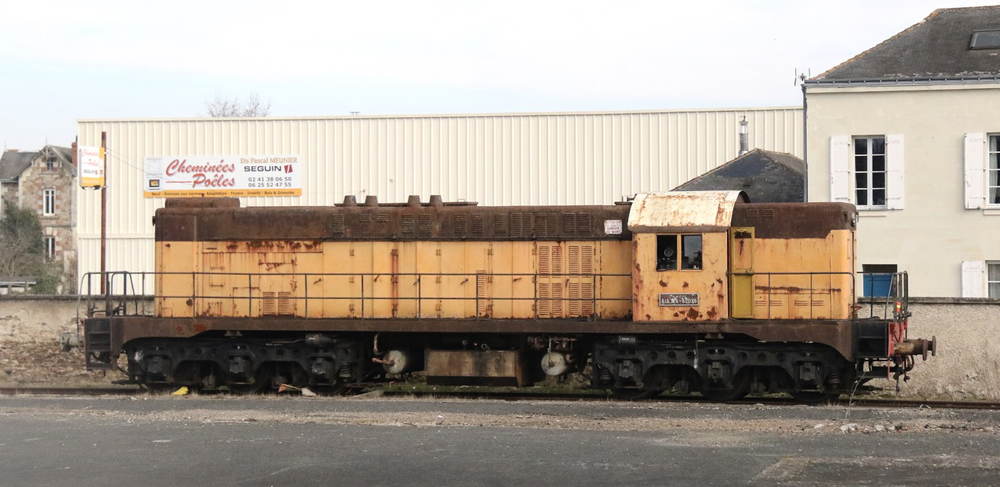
<point>50,164</point>
<point>985,39</point>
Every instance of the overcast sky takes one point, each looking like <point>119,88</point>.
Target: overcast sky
<point>64,61</point>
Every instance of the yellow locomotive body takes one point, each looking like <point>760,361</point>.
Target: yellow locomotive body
<point>635,290</point>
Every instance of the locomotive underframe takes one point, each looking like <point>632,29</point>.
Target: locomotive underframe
<point>722,360</point>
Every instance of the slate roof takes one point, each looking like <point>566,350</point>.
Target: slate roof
<point>936,48</point>
<point>13,163</point>
<point>765,176</point>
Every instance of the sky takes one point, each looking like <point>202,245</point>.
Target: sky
<point>63,61</point>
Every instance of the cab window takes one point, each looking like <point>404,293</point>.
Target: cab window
<point>672,250</point>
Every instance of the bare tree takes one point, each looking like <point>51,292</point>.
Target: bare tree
<point>233,107</point>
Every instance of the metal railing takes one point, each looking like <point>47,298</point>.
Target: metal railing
<point>127,291</point>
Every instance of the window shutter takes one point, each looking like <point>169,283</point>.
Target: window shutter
<point>975,194</point>
<point>840,168</point>
<point>894,187</point>
<point>972,278</point>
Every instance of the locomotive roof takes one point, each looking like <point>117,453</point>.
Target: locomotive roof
<point>218,219</point>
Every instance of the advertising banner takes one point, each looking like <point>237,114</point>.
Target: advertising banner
<point>91,160</point>
<point>263,175</point>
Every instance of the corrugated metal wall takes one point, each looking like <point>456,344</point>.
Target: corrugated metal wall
<point>502,159</point>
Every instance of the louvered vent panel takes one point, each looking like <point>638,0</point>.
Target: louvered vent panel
<point>544,303</point>
<point>482,294</point>
<point>500,225</point>
<point>365,218</point>
<point>569,223</point>
<point>574,296</point>
<point>461,225</point>
<point>557,295</point>
<point>574,259</point>
<point>587,295</point>
<point>586,259</point>
<point>552,225</point>
<point>285,304</point>
<point>478,226</point>
<point>337,225</point>
<point>409,226</point>
<point>517,224</point>
<point>268,305</point>
<point>424,225</point>
<point>382,218</point>
<point>557,259</point>
<point>544,259</point>
<point>584,224</point>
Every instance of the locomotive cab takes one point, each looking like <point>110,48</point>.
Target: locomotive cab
<point>714,256</point>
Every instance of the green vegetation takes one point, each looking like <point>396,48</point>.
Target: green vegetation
<point>23,250</point>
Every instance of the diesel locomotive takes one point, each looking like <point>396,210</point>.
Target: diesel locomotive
<point>685,291</point>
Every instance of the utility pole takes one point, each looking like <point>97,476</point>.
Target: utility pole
<point>104,214</point>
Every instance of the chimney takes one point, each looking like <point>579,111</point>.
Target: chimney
<point>744,143</point>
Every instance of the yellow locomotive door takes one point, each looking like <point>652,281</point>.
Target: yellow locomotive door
<point>741,272</point>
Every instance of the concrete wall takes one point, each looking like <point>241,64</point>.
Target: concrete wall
<point>967,365</point>
<point>933,233</point>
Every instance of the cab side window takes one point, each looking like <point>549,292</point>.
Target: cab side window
<point>667,252</point>
<point>691,247</point>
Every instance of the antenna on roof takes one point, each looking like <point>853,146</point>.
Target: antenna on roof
<point>801,77</point>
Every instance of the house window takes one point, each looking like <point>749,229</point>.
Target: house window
<point>869,172</point>
<point>993,176</point>
<point>877,279</point>
<point>993,279</point>
<point>50,247</point>
<point>48,202</point>
<point>50,164</point>
<point>667,252</point>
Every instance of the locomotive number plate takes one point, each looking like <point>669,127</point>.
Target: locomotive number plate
<point>678,299</point>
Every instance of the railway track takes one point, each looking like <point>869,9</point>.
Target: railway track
<point>548,396</point>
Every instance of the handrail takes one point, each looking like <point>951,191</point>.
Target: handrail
<point>367,297</point>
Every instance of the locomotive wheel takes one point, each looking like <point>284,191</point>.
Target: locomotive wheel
<point>633,394</point>
<point>740,388</point>
<point>813,397</point>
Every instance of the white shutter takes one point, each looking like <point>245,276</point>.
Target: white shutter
<point>975,183</point>
<point>894,187</point>
<point>973,282</point>
<point>840,168</point>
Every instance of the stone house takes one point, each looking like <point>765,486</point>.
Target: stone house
<point>908,132</point>
<point>44,181</point>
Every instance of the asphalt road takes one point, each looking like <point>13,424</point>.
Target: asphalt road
<point>154,441</point>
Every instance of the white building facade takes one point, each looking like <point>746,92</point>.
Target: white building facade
<point>917,153</point>
<point>502,159</point>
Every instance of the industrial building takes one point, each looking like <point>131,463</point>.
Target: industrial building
<point>492,159</point>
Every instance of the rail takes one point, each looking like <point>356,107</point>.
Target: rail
<point>128,292</point>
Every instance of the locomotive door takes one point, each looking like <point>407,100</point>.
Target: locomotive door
<point>741,272</point>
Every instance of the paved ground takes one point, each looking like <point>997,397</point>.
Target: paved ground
<point>152,441</point>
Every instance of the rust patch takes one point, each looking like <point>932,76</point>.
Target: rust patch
<point>189,302</point>
<point>719,281</point>
<point>693,314</point>
<point>712,313</point>
<point>232,247</point>
<point>662,284</point>
<point>686,285</point>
